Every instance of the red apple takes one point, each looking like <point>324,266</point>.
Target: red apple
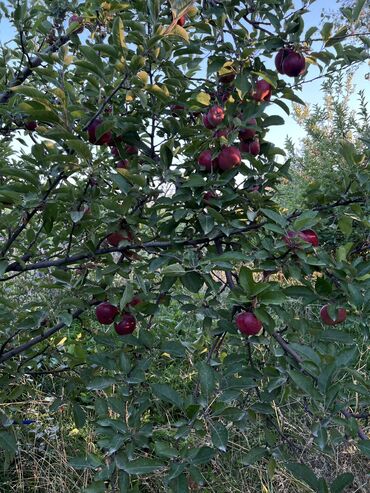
<point>254,147</point>
<point>223,132</point>
<point>248,323</point>
<point>115,152</point>
<point>136,300</point>
<point>126,326</point>
<point>181,21</point>
<point>229,157</point>
<point>227,78</point>
<point>248,133</point>
<point>114,239</point>
<point>215,115</point>
<point>280,57</point>
<point>205,160</point>
<point>131,149</point>
<point>262,91</point>
<point>106,313</point>
<point>309,236</point>
<point>207,123</point>
<point>104,139</point>
<point>340,316</point>
<point>31,125</point>
<point>293,64</point>
<point>207,196</point>
<point>76,19</point>
<point>122,164</point>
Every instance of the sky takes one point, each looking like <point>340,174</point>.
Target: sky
<point>311,92</point>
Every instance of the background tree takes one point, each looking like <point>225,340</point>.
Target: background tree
<point>142,176</point>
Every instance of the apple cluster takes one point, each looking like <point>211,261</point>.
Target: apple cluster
<point>106,314</point>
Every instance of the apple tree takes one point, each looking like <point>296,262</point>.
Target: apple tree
<point>136,173</point>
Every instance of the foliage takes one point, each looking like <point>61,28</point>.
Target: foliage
<point>146,81</point>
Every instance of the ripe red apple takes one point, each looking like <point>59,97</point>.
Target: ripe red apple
<point>31,125</point>
<point>106,313</point>
<point>293,64</point>
<point>136,300</point>
<point>207,196</point>
<point>248,133</point>
<point>223,132</point>
<point>263,91</point>
<point>248,323</point>
<point>229,157</point>
<point>254,147</point>
<point>104,139</point>
<point>215,115</point>
<point>340,316</point>
<point>207,123</point>
<point>114,239</point>
<point>115,152</point>
<point>76,18</point>
<point>280,57</point>
<point>181,21</point>
<point>126,326</point>
<point>131,149</point>
<point>227,78</point>
<point>309,236</point>
<point>122,164</point>
<point>205,160</point>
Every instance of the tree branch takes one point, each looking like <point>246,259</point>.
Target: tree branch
<point>157,245</point>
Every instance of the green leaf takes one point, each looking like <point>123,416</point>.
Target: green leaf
<point>253,456</point>
<point>220,436</point>
<point>8,442</point>
<point>173,270</point>
<point>192,281</point>
<point>304,383</point>
<point>90,461</point>
<point>273,120</point>
<point>100,383</point>
<point>246,279</point>
<point>142,466</point>
<point>345,225</point>
<point>304,473</point>
<point>204,455</point>
<point>206,379</point>
<point>127,296</point>
<point>167,394</point>
<point>166,155</point>
<point>323,287</point>
<point>118,33</point>
<point>364,446</point>
<point>335,335</point>
<point>341,482</point>
<point>275,217</point>
<point>207,222</point>
<point>356,11</point>
<point>164,449</point>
